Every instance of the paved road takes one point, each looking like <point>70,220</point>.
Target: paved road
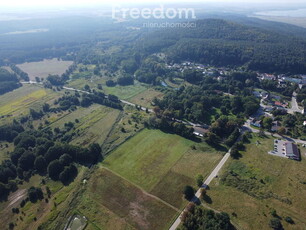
<point>248,127</point>
<point>294,105</point>
<point>123,101</point>
<point>213,174</point>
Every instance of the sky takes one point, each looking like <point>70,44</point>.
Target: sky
<point>30,3</point>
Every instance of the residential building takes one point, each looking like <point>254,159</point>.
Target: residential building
<point>256,123</point>
<point>292,151</point>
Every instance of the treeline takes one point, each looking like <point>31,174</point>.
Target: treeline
<point>8,81</point>
<point>123,81</point>
<point>169,125</point>
<point>23,75</point>
<point>39,152</point>
<point>68,101</point>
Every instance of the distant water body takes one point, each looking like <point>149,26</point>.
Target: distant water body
<point>300,13</point>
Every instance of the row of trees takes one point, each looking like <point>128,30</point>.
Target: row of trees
<point>23,75</point>
<point>8,81</point>
<point>70,101</point>
<point>167,125</point>
<point>124,80</point>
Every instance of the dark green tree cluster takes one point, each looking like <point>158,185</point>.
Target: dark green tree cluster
<point>149,71</point>
<point>125,80</point>
<point>35,194</point>
<point>196,104</point>
<point>10,131</point>
<point>200,218</point>
<point>68,101</point>
<point>38,152</point>
<point>24,76</point>
<point>56,80</point>
<point>170,126</point>
<point>8,81</point>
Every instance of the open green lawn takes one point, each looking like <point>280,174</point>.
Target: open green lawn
<point>43,68</point>
<point>276,183</point>
<point>162,163</point>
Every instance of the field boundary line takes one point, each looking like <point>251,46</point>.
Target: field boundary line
<point>145,192</point>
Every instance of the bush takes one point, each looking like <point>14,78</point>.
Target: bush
<point>68,175</point>
<point>275,224</point>
<point>35,194</point>
<point>289,220</point>
<point>199,180</point>
<point>110,83</point>
<point>54,169</point>
<point>188,192</point>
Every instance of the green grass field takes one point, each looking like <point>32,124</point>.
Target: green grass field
<point>123,92</point>
<point>285,179</point>
<point>147,157</point>
<point>155,160</point>
<point>43,68</point>
<point>19,101</point>
<point>129,123</point>
<point>95,126</point>
<point>111,202</point>
<point>95,122</point>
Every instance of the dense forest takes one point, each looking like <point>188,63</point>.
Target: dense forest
<point>223,43</point>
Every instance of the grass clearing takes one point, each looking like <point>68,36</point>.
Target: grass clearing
<point>19,101</point>
<point>95,126</point>
<point>155,160</point>
<point>129,123</point>
<point>285,179</point>
<point>43,68</point>
<point>5,147</point>
<point>117,204</point>
<point>193,162</point>
<point>146,97</point>
<point>125,92</point>
<point>143,161</point>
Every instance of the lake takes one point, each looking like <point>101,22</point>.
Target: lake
<point>285,13</point>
